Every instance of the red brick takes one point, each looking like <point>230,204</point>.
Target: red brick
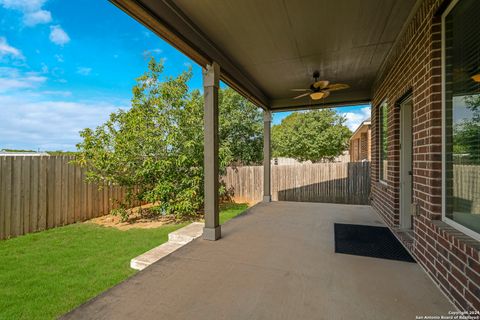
<point>474,289</point>
<point>473,276</point>
<point>474,265</point>
<point>473,300</point>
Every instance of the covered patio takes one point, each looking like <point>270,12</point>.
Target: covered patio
<point>276,261</point>
<point>268,49</point>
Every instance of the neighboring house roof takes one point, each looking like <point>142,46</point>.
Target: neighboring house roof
<point>30,154</point>
<point>366,122</point>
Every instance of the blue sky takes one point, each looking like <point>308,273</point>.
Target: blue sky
<point>65,67</point>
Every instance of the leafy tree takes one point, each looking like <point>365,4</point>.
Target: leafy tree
<point>467,140</point>
<point>61,153</point>
<point>313,135</point>
<point>466,137</point>
<point>17,150</point>
<point>241,128</point>
<point>156,147</point>
<point>473,103</point>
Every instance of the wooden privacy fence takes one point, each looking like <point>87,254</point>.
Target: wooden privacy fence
<point>347,183</point>
<point>466,188</point>
<point>38,193</point>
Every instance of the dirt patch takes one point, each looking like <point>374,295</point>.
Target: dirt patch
<point>247,201</point>
<point>140,219</point>
<point>135,220</point>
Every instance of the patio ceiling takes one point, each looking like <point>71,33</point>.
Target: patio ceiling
<point>266,48</point>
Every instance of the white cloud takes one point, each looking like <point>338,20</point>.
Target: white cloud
<point>58,35</point>
<point>44,68</point>
<point>20,83</point>
<point>148,53</point>
<point>38,17</point>
<point>84,71</point>
<point>59,58</point>
<point>23,5</point>
<point>32,11</point>
<point>355,118</point>
<point>56,93</point>
<point>48,125</point>
<point>57,72</point>
<point>12,79</point>
<point>8,50</point>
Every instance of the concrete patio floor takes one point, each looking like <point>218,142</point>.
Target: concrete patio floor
<point>275,262</point>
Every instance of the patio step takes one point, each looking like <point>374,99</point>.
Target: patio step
<point>176,239</point>
<point>187,233</point>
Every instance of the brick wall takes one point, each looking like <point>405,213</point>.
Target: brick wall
<point>369,144</point>
<point>360,144</point>
<point>364,146</point>
<point>414,68</point>
<point>354,154</point>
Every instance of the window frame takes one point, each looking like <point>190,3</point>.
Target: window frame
<point>382,179</point>
<point>469,232</point>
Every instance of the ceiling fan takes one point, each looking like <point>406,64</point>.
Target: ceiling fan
<point>320,88</point>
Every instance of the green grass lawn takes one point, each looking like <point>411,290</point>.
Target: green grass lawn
<point>45,274</point>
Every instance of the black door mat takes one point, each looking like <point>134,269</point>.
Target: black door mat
<point>369,241</point>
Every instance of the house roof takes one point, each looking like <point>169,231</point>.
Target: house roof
<point>19,153</point>
<point>362,125</point>
<point>266,48</point>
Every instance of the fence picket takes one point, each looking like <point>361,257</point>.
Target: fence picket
<point>34,176</point>
<point>43,196</point>
<point>8,194</point>
<point>2,199</point>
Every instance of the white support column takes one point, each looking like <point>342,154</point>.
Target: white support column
<point>211,79</point>
<point>267,121</point>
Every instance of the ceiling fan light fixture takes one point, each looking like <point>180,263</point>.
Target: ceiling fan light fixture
<point>319,89</point>
<point>476,77</point>
<point>317,95</point>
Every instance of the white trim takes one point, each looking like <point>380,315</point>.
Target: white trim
<point>456,225</point>
<point>461,228</point>
<point>364,123</point>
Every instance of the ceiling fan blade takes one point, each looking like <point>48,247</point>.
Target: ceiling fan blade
<point>322,94</point>
<point>337,86</point>
<point>321,84</point>
<point>302,95</point>
<point>300,90</point>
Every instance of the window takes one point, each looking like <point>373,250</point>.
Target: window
<point>461,114</point>
<point>383,141</point>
